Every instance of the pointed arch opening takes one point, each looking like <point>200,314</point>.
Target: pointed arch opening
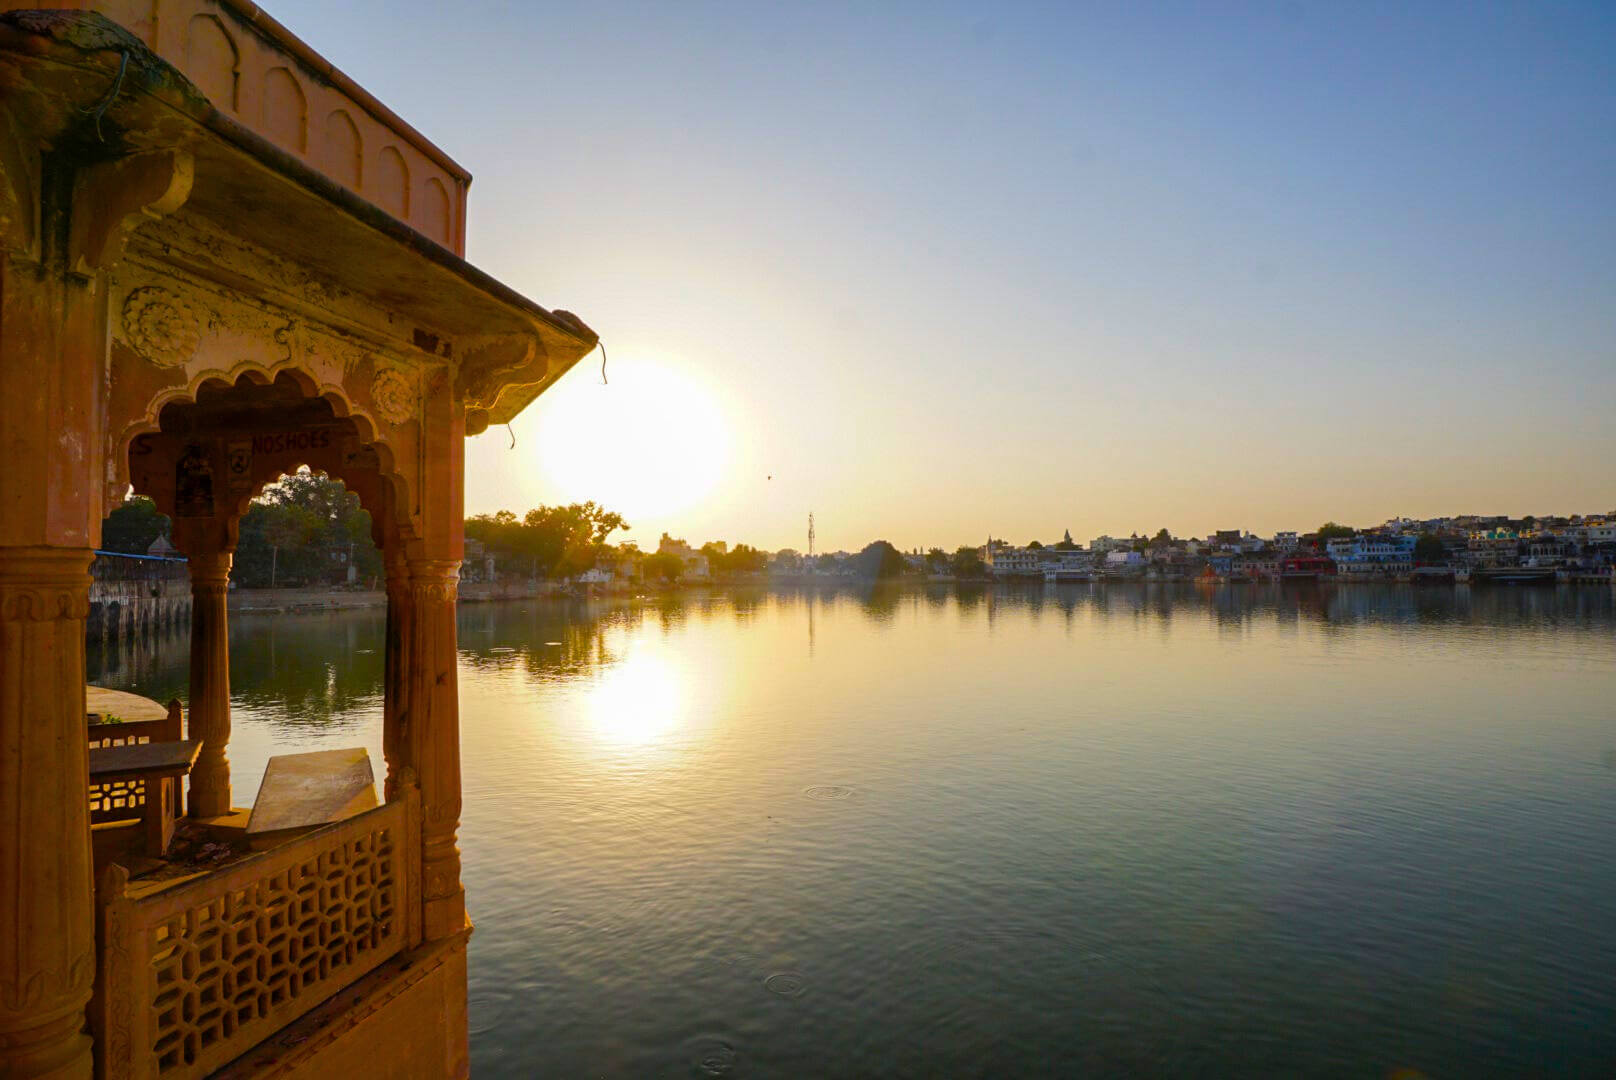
<point>392,183</point>
<point>212,61</point>
<point>284,113</point>
<point>344,150</point>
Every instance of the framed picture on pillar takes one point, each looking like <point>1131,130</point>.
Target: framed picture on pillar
<point>193,482</point>
<point>238,466</point>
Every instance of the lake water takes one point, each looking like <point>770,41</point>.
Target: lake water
<point>1078,830</point>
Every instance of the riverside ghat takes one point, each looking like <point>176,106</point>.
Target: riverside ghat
<point>222,259</point>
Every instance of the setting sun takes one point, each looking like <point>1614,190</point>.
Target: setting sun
<point>618,445</point>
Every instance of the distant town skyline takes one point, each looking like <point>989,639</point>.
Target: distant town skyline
<point>932,269</point>
<point>1086,538</point>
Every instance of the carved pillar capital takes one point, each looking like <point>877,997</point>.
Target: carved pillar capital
<point>47,954</point>
<point>435,579</point>
<point>210,570</point>
<point>44,583</point>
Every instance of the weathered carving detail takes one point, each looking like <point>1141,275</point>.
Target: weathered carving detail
<point>438,594</point>
<point>15,997</point>
<point>19,603</point>
<point>112,1015</point>
<point>160,326</point>
<point>439,883</point>
<point>335,355</point>
<point>393,391</point>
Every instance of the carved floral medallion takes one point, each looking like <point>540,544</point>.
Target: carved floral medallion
<point>160,326</point>
<point>393,391</point>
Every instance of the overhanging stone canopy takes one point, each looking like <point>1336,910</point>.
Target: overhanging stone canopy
<point>199,292</point>
<point>226,255</point>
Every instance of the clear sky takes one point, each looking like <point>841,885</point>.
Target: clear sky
<point>934,271</point>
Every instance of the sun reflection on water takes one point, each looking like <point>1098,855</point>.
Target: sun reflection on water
<point>637,701</point>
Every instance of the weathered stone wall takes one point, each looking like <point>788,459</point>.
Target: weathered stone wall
<point>133,597</point>
<point>254,70</point>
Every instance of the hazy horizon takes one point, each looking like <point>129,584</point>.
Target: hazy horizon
<point>939,271</point>
<point>1045,537</point>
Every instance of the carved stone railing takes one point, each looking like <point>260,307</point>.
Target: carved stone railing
<point>192,977</point>
<point>124,800</point>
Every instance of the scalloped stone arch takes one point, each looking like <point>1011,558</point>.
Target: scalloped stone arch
<point>366,430</point>
<point>382,510</point>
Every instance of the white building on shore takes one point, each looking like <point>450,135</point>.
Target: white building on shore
<point>1005,561</point>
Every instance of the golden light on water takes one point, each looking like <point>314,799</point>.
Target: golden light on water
<point>652,441</point>
<point>637,701</point>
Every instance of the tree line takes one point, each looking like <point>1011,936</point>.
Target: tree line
<point>309,530</point>
<point>548,541</point>
<point>306,529</point>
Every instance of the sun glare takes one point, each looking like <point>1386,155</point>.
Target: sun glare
<point>637,701</point>
<point>652,441</point>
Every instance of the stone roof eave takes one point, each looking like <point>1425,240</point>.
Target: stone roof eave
<point>272,198</point>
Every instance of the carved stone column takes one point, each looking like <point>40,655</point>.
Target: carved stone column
<point>430,726</point>
<point>210,683</point>
<point>395,667</point>
<point>47,947</point>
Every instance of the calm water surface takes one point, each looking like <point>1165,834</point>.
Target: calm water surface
<point>1077,830</point>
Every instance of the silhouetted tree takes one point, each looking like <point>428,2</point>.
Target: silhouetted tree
<point>305,528</point>
<point>1331,531</point>
<point>968,563</point>
<point>663,566</point>
<point>746,559</point>
<point>286,525</point>
<point>133,527</point>
<point>880,561</point>
<point>552,541</point>
<point>1428,549</point>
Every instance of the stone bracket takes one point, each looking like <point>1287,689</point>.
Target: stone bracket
<point>489,361</point>
<point>113,198</point>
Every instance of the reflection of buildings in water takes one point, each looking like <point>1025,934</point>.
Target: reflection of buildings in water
<point>1233,605</point>
<point>880,602</point>
<point>155,664</point>
<point>811,627</point>
<point>316,667</point>
<point>309,668</point>
<point>1303,600</point>
<point>970,596</point>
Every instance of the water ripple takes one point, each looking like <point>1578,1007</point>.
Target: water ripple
<point>787,983</point>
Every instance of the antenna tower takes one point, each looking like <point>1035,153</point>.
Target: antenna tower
<point>810,534</point>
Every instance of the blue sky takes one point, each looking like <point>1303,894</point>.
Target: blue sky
<point>945,270</point>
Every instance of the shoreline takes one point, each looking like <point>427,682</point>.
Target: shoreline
<point>300,601</point>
